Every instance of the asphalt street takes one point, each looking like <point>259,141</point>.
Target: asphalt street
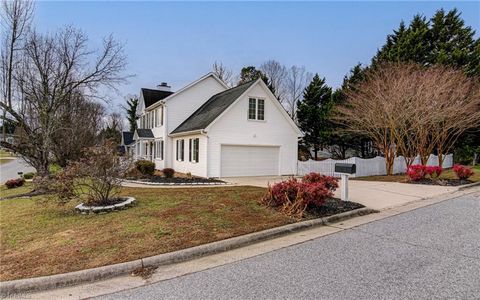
<point>429,253</point>
<point>10,170</point>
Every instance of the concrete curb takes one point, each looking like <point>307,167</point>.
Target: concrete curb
<point>89,275</point>
<point>467,186</point>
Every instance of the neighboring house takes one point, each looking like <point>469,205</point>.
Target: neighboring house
<point>211,130</point>
<point>127,144</point>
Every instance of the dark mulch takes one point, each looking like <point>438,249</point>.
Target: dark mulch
<point>332,207</point>
<point>161,179</point>
<point>442,182</point>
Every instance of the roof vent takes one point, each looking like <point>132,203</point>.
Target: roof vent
<point>164,87</point>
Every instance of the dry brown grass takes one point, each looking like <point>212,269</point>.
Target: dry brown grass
<point>39,238</point>
<point>447,174</point>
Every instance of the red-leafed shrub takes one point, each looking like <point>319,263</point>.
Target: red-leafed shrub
<point>13,183</point>
<point>462,172</point>
<point>294,197</point>
<point>416,172</point>
<point>168,172</point>
<point>330,182</point>
<point>433,171</point>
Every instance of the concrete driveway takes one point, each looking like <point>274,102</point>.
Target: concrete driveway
<point>373,194</point>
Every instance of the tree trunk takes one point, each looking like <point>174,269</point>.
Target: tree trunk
<point>315,150</point>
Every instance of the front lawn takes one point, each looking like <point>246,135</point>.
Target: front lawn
<point>4,153</point>
<point>446,174</point>
<point>40,238</point>
<point>4,160</point>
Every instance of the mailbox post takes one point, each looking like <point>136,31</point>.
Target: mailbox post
<point>345,170</point>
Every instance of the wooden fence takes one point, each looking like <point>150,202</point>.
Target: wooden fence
<point>366,167</point>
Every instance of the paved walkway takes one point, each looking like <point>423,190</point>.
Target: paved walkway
<point>10,169</point>
<point>376,195</point>
<point>429,253</point>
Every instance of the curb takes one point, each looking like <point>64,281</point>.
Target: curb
<point>467,186</point>
<point>89,275</point>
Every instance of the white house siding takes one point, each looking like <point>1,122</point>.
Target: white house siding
<point>234,128</point>
<point>185,166</point>
<point>181,106</point>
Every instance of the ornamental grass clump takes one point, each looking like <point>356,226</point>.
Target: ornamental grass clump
<point>294,197</point>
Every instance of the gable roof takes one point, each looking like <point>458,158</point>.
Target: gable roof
<point>211,109</point>
<point>144,133</point>
<point>127,137</point>
<point>151,97</point>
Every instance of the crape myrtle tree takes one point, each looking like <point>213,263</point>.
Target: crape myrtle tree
<point>407,109</point>
<point>52,68</point>
<point>313,114</point>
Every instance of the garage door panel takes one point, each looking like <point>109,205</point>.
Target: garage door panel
<point>249,161</point>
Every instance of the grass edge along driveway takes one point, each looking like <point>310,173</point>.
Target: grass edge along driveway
<point>39,238</point>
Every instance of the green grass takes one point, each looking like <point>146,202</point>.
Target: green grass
<point>39,237</point>
<point>5,153</point>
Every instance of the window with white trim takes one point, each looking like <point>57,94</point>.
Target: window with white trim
<point>180,145</point>
<point>159,149</point>
<point>256,109</point>
<point>194,147</point>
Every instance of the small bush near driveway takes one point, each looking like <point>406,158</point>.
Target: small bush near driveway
<point>462,172</point>
<point>293,197</point>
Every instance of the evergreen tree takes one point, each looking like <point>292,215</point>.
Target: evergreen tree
<point>251,73</point>
<point>131,110</point>
<point>313,113</point>
<point>444,39</point>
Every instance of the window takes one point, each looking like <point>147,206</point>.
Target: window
<point>159,117</point>
<point>252,108</point>
<point>193,149</point>
<point>194,145</point>
<point>180,148</point>
<point>159,150</point>
<point>256,109</point>
<point>261,109</point>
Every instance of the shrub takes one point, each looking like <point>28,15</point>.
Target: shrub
<point>462,172</point>
<point>294,197</point>
<point>97,176</point>
<point>416,172</point>
<point>168,172</point>
<point>145,167</point>
<point>13,183</point>
<point>29,175</point>
<point>433,171</point>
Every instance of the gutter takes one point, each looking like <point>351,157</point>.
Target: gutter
<point>191,132</point>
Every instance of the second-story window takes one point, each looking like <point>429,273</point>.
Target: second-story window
<point>256,109</point>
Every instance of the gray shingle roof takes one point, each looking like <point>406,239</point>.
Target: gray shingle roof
<point>144,133</point>
<point>152,96</point>
<point>127,137</point>
<point>211,109</point>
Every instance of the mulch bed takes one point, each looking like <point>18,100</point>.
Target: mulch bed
<point>442,182</point>
<point>331,207</point>
<point>179,180</point>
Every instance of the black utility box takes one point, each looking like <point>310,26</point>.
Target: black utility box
<point>345,168</point>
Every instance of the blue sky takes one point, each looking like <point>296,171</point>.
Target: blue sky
<point>178,42</point>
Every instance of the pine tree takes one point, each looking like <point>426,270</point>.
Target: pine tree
<point>313,113</point>
<point>251,73</point>
<point>131,110</point>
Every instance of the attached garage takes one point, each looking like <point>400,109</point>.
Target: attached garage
<point>240,160</point>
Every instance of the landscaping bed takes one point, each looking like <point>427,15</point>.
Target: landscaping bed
<point>442,182</point>
<point>180,180</point>
<point>332,207</point>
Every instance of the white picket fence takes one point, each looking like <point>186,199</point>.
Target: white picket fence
<point>366,167</point>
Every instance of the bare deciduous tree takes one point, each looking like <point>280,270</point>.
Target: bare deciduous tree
<point>297,79</point>
<point>223,73</point>
<point>53,67</point>
<point>16,16</point>
<point>411,110</point>
<point>277,75</point>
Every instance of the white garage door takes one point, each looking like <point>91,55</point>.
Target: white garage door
<point>249,161</point>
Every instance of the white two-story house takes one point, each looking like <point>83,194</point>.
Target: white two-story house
<point>211,130</point>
